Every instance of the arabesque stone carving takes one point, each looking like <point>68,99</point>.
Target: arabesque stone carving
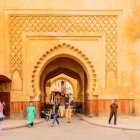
<point>70,50</point>
<point>62,23</point>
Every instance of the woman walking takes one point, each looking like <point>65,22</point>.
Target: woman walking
<point>31,114</point>
<point>69,114</point>
<point>61,111</point>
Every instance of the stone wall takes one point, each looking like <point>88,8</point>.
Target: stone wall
<point>19,109</point>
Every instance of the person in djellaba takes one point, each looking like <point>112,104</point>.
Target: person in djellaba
<point>31,113</point>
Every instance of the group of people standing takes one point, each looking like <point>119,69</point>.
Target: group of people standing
<point>60,111</point>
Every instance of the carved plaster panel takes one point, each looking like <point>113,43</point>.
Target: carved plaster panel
<point>20,23</point>
<point>66,49</point>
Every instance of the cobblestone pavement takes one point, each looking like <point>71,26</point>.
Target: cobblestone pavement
<point>77,130</point>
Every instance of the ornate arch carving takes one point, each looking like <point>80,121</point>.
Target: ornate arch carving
<point>70,52</point>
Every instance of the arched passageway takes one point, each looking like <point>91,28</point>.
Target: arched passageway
<point>74,72</point>
<point>70,61</point>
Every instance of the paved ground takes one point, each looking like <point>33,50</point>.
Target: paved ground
<point>123,122</point>
<point>77,130</point>
<point>11,124</point>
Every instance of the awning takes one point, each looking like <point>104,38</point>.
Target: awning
<point>4,79</point>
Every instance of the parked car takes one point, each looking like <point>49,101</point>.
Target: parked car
<point>48,111</point>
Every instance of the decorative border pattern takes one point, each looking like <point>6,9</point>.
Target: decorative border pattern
<point>71,50</point>
<point>20,23</point>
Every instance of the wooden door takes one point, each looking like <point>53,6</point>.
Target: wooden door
<point>5,96</point>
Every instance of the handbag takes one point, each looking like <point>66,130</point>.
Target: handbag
<point>2,117</point>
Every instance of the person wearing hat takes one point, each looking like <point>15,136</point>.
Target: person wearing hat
<point>31,112</point>
<point>113,112</point>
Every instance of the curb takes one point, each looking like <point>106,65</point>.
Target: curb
<point>20,126</point>
<point>122,128</point>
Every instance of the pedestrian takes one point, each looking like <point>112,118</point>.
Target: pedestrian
<point>4,108</point>
<point>66,105</point>
<point>55,117</point>
<point>69,114</point>
<point>31,112</point>
<point>61,111</point>
<point>1,116</point>
<point>1,107</point>
<point>113,112</point>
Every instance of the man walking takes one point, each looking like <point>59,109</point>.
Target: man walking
<point>113,111</point>
<point>55,118</point>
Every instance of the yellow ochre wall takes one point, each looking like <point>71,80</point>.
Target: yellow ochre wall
<point>101,35</point>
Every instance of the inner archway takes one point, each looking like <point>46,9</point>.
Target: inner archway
<point>71,69</point>
<point>64,88</point>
